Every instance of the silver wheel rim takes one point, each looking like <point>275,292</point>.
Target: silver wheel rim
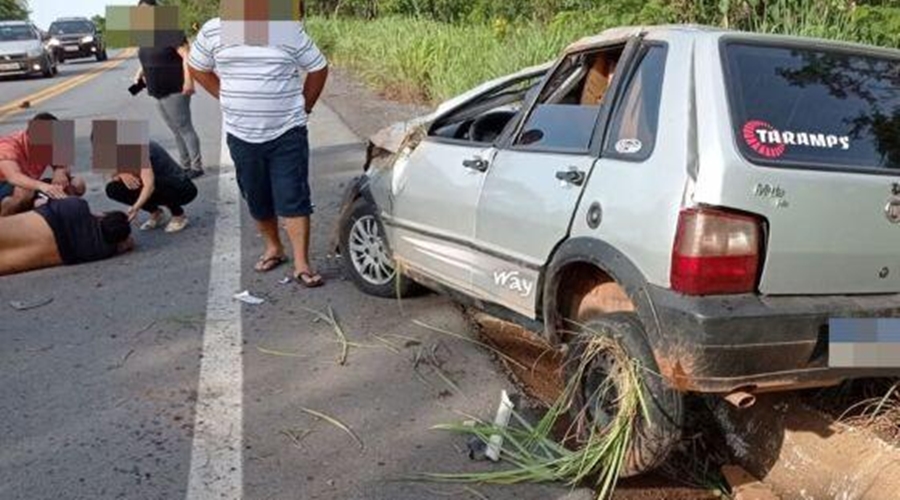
<point>368,253</point>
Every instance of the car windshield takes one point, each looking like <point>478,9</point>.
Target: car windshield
<point>16,33</point>
<point>71,28</point>
<point>812,107</point>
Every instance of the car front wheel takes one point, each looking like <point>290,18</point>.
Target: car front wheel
<point>366,257</point>
<point>102,56</point>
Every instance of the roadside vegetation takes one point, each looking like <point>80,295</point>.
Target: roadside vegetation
<point>430,50</point>
<point>12,10</point>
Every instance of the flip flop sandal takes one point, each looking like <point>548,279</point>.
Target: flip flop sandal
<point>266,264</point>
<point>309,280</point>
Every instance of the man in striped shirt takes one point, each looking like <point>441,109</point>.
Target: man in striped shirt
<point>265,109</point>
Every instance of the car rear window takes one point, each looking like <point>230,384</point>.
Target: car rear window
<point>812,107</point>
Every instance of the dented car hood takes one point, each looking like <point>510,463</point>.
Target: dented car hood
<point>392,138</point>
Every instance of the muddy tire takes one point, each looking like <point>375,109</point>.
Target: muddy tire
<point>653,438</point>
<point>366,257</point>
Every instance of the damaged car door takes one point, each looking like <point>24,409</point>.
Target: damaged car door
<point>436,185</point>
<point>535,180</point>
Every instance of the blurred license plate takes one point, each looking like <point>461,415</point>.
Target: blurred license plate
<point>9,67</point>
<point>72,48</point>
<point>864,343</point>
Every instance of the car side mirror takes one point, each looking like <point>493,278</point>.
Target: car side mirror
<point>45,37</point>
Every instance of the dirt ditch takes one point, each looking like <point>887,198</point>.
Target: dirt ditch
<point>798,451</point>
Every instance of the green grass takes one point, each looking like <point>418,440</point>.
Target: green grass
<point>422,59</point>
<point>533,454</point>
<point>434,60</point>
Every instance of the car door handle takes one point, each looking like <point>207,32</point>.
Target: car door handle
<point>573,177</point>
<point>477,164</point>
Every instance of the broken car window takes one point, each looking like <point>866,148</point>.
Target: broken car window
<point>485,119</point>
<point>569,106</point>
<point>632,133</point>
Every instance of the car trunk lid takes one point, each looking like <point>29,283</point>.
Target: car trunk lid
<point>819,127</point>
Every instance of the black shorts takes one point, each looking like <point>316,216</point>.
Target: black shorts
<point>274,176</point>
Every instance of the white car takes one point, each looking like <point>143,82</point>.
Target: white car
<point>714,200</point>
<point>23,50</point>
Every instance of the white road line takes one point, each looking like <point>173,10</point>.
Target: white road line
<point>216,456</point>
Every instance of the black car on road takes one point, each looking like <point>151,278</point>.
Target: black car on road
<point>76,38</point>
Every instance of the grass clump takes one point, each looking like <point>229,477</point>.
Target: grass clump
<point>534,455</point>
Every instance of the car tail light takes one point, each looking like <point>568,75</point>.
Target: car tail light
<point>716,252</point>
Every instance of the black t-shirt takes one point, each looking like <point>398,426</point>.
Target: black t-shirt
<point>76,230</point>
<point>163,70</point>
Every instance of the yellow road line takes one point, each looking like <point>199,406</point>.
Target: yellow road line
<point>13,108</point>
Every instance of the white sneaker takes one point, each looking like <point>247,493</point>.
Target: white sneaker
<point>155,221</point>
<point>177,224</point>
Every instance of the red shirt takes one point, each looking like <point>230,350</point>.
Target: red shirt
<point>16,148</point>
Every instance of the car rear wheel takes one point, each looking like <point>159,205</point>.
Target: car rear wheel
<point>598,398</point>
<point>366,256</point>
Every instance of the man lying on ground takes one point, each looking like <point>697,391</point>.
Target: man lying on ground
<point>61,232</point>
<point>20,174</point>
<point>162,184</point>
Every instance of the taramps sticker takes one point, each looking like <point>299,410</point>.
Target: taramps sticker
<point>770,142</point>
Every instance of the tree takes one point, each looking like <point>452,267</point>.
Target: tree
<point>196,12</point>
<point>100,22</point>
<point>13,10</point>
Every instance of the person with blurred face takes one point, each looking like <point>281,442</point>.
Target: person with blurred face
<point>21,173</point>
<point>164,71</point>
<point>161,184</point>
<point>61,232</point>
<point>267,92</point>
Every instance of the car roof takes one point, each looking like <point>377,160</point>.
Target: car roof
<point>72,20</point>
<point>663,32</point>
<point>14,23</point>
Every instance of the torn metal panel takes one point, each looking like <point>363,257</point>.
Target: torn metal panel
<point>391,139</point>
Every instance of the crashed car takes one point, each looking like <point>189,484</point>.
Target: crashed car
<point>714,201</point>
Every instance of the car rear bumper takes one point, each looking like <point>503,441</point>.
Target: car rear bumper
<point>755,343</point>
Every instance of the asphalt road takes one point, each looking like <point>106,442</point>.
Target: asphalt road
<point>141,362</point>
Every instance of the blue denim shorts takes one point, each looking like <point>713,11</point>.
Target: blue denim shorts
<point>6,189</point>
<point>274,176</point>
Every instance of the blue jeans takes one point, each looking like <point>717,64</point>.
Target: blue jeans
<point>274,176</point>
<point>6,189</point>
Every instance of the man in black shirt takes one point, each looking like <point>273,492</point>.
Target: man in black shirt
<point>169,82</point>
<point>61,232</point>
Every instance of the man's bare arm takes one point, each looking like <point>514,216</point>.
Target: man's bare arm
<point>13,175</point>
<point>185,51</point>
<point>208,80</point>
<point>312,89</point>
